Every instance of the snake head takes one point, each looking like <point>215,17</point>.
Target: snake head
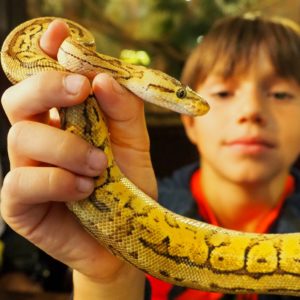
<point>168,92</point>
<point>188,101</point>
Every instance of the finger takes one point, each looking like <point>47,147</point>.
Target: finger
<point>124,111</point>
<point>27,205</point>
<point>36,185</point>
<point>128,132</point>
<point>55,34</point>
<point>54,117</point>
<point>31,142</point>
<point>36,95</point>
<point>28,194</point>
<point>32,204</point>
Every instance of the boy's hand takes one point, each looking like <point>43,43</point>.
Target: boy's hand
<point>46,171</point>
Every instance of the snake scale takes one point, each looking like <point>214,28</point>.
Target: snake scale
<point>134,227</point>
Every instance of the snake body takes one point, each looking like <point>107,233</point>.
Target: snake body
<point>133,226</point>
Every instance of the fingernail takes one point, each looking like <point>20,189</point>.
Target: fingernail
<point>96,160</point>
<point>73,83</point>
<point>84,184</point>
<point>106,78</point>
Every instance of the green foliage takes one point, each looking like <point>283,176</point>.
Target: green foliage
<point>166,30</point>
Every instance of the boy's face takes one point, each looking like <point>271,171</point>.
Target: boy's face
<point>252,132</point>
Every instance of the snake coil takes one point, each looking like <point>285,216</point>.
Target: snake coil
<point>120,216</point>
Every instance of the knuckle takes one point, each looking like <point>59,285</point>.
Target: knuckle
<point>5,98</point>
<point>15,135</point>
<point>65,145</point>
<point>11,184</point>
<point>54,178</point>
<point>65,150</point>
<point>43,86</point>
<point>59,181</point>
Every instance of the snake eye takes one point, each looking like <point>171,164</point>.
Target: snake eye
<point>181,93</point>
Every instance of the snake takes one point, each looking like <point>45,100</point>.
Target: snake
<point>120,216</point>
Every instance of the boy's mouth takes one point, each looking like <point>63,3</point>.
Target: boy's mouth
<point>250,145</point>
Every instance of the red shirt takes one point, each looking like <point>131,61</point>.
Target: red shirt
<point>160,289</point>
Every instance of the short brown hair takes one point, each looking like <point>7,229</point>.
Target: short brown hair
<point>232,43</point>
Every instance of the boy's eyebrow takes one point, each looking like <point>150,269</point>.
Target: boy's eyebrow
<point>275,77</point>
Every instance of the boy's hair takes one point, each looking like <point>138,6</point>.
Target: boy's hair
<point>232,44</point>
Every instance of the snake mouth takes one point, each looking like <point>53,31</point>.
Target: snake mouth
<point>188,108</point>
<point>169,105</point>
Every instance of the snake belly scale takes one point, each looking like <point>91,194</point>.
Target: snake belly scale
<point>128,222</point>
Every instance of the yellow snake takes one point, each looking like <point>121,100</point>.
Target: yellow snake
<point>120,216</point>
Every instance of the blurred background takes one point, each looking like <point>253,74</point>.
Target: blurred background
<point>155,33</point>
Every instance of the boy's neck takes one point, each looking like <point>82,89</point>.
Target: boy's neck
<point>241,206</point>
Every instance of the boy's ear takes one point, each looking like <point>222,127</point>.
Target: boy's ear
<point>188,123</point>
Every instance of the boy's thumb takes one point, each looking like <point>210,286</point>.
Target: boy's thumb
<point>124,112</point>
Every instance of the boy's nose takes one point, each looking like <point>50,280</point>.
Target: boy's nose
<point>252,108</point>
<point>253,118</point>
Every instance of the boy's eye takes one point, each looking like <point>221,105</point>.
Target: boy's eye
<point>281,95</point>
<point>223,94</point>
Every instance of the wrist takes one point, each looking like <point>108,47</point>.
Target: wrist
<point>129,284</point>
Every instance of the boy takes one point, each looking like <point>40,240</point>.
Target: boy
<point>247,70</point>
